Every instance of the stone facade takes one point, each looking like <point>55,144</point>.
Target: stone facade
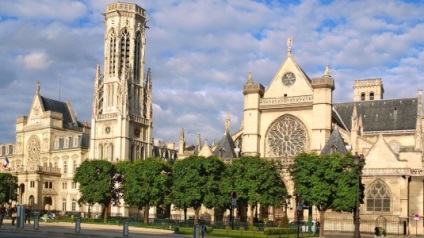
<point>51,143</point>
<point>295,113</point>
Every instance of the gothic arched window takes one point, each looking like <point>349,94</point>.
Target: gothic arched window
<point>286,137</point>
<point>137,56</point>
<point>112,52</point>
<point>125,48</point>
<point>378,197</point>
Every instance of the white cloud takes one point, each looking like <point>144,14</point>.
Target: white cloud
<point>201,51</point>
<point>34,61</point>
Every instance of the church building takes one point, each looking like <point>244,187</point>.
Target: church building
<point>292,114</point>
<point>51,143</point>
<point>296,113</point>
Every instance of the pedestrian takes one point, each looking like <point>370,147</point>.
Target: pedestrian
<point>203,230</point>
<point>2,214</point>
<point>376,232</point>
<point>28,214</point>
<point>13,214</point>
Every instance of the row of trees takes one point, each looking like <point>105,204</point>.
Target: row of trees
<point>324,181</point>
<point>188,183</point>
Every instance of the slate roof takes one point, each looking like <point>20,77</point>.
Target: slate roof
<point>379,115</point>
<point>57,106</point>
<point>225,147</point>
<point>334,143</point>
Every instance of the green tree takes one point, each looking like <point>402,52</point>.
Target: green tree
<point>98,184</point>
<point>8,187</point>
<point>146,183</point>
<point>257,181</point>
<point>197,181</point>
<point>326,181</point>
<point>215,196</point>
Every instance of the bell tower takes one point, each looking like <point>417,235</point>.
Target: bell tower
<point>121,122</point>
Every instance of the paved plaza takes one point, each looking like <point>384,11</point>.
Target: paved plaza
<point>64,229</point>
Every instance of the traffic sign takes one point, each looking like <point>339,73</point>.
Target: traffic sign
<point>416,217</point>
<point>234,195</point>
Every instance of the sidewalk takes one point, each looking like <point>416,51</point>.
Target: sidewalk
<point>62,229</point>
<point>65,229</point>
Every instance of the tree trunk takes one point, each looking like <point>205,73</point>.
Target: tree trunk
<point>185,214</point>
<point>146,214</point>
<point>321,223</point>
<point>252,208</point>
<point>196,215</point>
<point>105,207</point>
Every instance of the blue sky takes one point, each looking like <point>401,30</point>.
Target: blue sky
<point>201,51</point>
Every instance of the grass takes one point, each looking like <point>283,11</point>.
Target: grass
<point>238,233</point>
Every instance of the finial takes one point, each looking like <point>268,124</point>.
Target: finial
<point>289,45</point>
<point>37,87</point>
<point>327,71</point>
<point>249,78</point>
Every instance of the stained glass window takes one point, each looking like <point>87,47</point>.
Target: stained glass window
<point>286,137</point>
<point>378,197</point>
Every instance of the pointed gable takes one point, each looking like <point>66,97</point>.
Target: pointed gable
<point>290,80</point>
<point>382,156</point>
<point>205,150</point>
<point>334,144</point>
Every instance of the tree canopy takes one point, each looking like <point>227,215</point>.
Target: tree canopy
<point>98,183</point>
<point>146,183</point>
<point>8,186</point>
<point>196,181</point>
<point>326,181</point>
<point>257,181</point>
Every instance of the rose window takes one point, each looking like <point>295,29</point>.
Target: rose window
<point>286,137</point>
<point>34,149</point>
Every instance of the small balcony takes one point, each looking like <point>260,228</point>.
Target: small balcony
<point>33,169</point>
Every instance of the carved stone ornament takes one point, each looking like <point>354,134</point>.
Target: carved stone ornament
<point>34,149</point>
<point>288,78</point>
<point>286,137</point>
<point>36,111</point>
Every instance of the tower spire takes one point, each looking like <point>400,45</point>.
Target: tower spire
<point>227,123</point>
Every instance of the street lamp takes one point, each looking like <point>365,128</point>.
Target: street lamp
<point>299,209</point>
<point>357,160</point>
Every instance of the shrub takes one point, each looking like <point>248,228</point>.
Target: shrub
<point>284,223</point>
<point>209,229</point>
<point>279,231</point>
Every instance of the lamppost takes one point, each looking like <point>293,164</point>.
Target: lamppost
<point>299,209</point>
<point>357,160</point>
